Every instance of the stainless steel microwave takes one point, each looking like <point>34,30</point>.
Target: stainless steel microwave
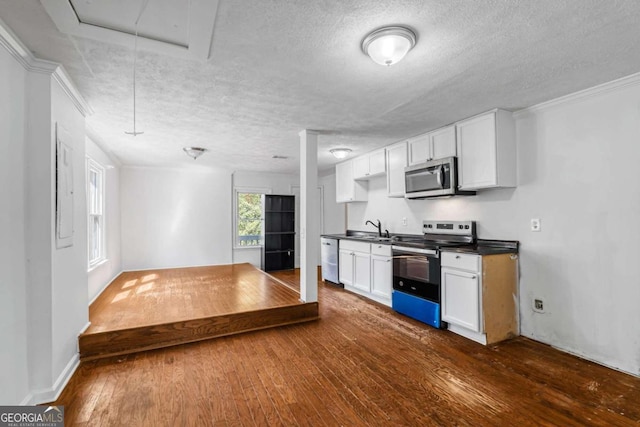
<point>437,178</point>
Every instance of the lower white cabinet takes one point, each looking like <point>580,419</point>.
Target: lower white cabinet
<point>479,295</point>
<point>366,269</point>
<point>345,267</point>
<point>362,271</point>
<point>461,298</point>
<point>381,276</point>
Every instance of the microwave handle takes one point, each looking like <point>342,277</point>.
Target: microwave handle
<point>439,176</point>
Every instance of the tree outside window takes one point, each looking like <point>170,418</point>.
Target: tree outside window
<point>249,220</point>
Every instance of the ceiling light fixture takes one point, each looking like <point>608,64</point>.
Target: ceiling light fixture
<point>388,45</point>
<point>195,152</point>
<point>340,153</point>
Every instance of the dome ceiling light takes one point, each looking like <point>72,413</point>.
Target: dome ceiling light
<point>388,45</point>
<point>340,153</point>
<point>195,152</point>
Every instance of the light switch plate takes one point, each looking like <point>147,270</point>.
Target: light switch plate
<point>536,225</point>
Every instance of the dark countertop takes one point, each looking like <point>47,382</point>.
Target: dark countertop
<point>481,247</point>
<point>488,247</point>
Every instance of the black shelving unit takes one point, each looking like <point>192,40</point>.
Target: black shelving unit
<point>279,233</point>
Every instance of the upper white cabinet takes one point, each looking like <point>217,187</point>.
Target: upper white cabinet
<point>396,163</point>
<point>438,144</point>
<point>369,165</point>
<point>347,188</point>
<point>487,151</point>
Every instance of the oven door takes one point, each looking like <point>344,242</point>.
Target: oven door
<point>417,273</point>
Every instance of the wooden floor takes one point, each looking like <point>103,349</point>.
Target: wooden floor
<point>158,308</point>
<point>360,365</point>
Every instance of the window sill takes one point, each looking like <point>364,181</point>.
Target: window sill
<point>97,264</point>
<point>247,247</point>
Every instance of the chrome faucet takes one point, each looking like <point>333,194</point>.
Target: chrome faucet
<point>378,226</point>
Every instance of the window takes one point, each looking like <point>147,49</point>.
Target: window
<point>249,214</point>
<point>95,202</point>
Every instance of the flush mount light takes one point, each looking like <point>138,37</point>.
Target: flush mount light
<point>388,45</point>
<point>195,152</point>
<point>340,153</point>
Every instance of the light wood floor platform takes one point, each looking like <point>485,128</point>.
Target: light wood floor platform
<point>159,308</point>
<point>361,364</point>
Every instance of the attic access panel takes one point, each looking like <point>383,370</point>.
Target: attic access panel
<point>163,20</point>
<point>180,28</point>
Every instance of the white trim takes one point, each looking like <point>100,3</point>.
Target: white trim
<point>105,286</point>
<point>84,329</point>
<point>49,395</point>
<point>23,55</point>
<point>467,333</point>
<point>97,264</point>
<point>177,266</point>
<point>631,80</point>
<point>91,164</point>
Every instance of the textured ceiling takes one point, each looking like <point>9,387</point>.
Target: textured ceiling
<point>277,67</point>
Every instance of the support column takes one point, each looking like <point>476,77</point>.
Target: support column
<point>309,218</point>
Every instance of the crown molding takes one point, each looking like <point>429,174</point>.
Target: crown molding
<point>23,55</point>
<point>631,80</point>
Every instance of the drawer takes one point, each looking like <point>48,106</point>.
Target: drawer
<point>352,245</point>
<point>382,250</point>
<point>460,261</point>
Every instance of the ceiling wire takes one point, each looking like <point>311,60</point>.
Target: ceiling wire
<point>135,57</point>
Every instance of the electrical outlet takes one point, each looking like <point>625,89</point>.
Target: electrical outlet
<point>536,225</point>
<point>538,305</point>
<point>404,221</point>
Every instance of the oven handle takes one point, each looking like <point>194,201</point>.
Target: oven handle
<point>415,251</point>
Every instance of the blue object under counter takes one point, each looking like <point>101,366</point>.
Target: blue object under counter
<point>417,308</point>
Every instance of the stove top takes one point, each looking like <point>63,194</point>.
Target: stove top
<point>439,234</point>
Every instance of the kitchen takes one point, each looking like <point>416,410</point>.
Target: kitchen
<point>576,157</point>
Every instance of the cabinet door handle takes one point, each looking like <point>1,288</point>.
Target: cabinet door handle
<point>388,260</point>
<point>473,277</point>
<point>457,256</point>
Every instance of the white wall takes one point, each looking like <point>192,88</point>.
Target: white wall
<point>103,274</point>
<point>175,217</point>
<point>13,281</point>
<point>578,171</point>
<point>334,213</point>
<point>69,297</point>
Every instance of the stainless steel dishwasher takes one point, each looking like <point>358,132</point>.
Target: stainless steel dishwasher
<point>330,260</point>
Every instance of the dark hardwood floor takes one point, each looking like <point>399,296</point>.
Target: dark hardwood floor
<point>361,364</point>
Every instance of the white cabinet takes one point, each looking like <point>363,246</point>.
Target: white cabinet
<point>487,151</point>
<point>381,276</point>
<point>461,298</point>
<point>479,295</point>
<point>437,144</point>
<point>362,271</point>
<point>396,163</point>
<point>366,269</point>
<point>347,188</point>
<point>369,165</point>
<point>345,267</point>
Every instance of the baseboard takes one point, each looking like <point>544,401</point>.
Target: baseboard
<point>27,400</point>
<point>105,286</point>
<point>134,270</point>
<point>51,394</point>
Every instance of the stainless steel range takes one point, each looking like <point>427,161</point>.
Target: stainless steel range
<point>416,268</point>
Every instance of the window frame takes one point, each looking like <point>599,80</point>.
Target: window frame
<point>251,190</point>
<point>93,166</point>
